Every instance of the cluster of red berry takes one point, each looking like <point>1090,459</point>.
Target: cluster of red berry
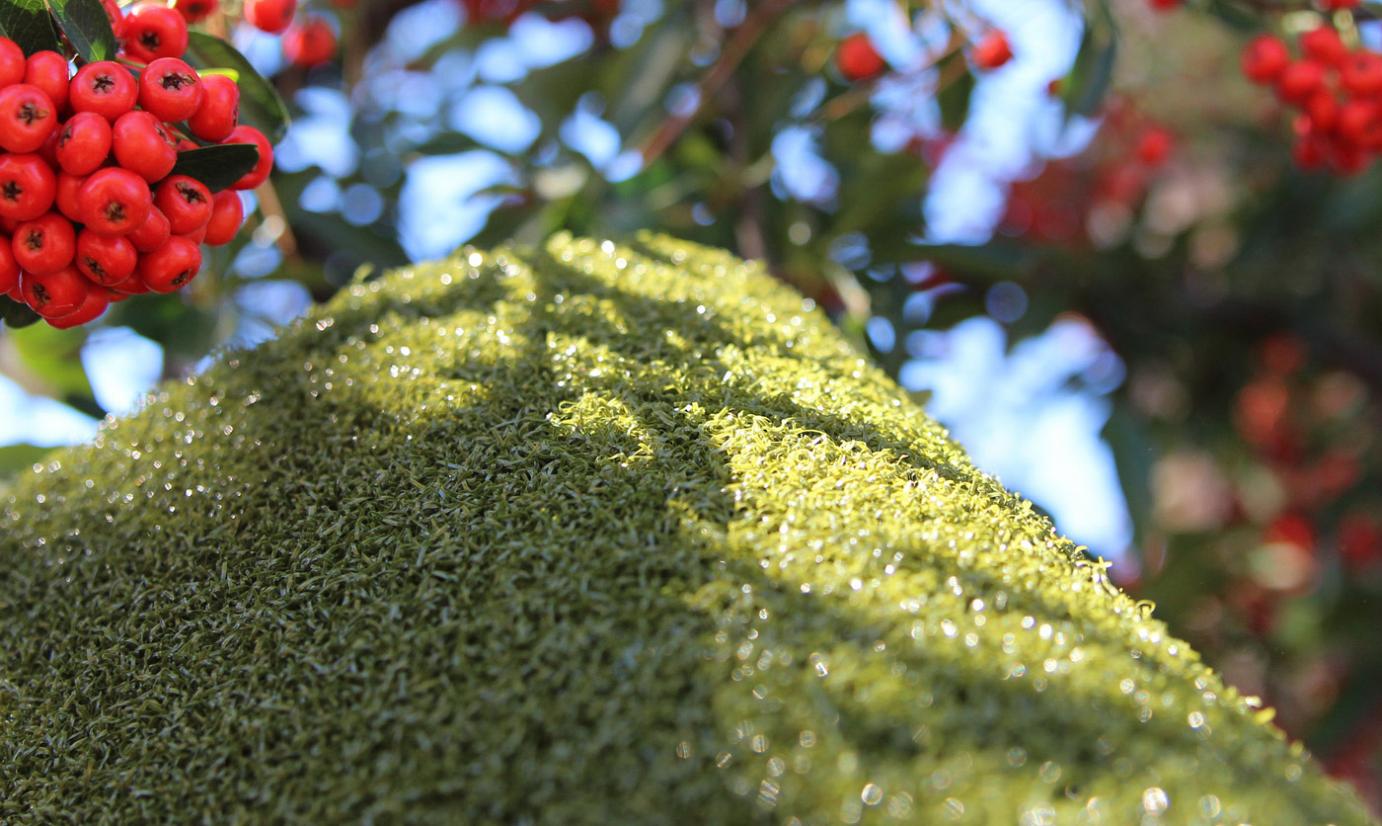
<point>1336,89</point>
<point>308,42</point>
<point>90,210</point>
<point>858,60</point>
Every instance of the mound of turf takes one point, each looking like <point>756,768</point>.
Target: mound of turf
<point>584,534</point>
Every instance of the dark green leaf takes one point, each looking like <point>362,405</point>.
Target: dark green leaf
<point>86,26</point>
<point>27,23</point>
<point>14,459</point>
<point>260,105</point>
<point>217,166</point>
<point>954,100</point>
<point>1092,74</point>
<point>15,314</point>
<point>55,357</point>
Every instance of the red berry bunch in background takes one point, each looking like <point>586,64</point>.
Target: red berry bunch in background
<point>857,59</point>
<point>1336,90</point>
<point>91,210</point>
<point>306,43</point>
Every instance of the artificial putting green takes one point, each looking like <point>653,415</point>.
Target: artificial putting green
<point>584,534</point>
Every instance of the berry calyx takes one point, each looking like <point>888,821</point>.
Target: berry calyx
<point>170,266</point>
<point>195,11</point>
<point>106,259</point>
<point>114,201</point>
<point>185,201</point>
<point>27,187</point>
<point>55,294</point>
<point>44,245</point>
<point>143,145</point>
<point>27,118</point>
<point>104,87</point>
<point>152,31</point>
<point>169,89</point>
<point>83,143</point>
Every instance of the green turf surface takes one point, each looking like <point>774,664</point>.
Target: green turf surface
<point>583,534</point>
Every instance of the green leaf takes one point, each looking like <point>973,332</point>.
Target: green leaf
<point>1092,74</point>
<point>55,357</point>
<point>15,314</point>
<point>260,105</point>
<point>86,26</point>
<point>953,100</point>
<point>15,459</point>
<point>27,23</point>
<point>217,166</point>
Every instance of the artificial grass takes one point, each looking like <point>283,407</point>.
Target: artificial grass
<point>584,534</point>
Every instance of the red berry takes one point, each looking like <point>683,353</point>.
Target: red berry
<point>152,31</point>
<point>992,50</point>
<point>49,72</point>
<point>1339,5</point>
<point>261,170</point>
<point>309,44</point>
<point>27,187</point>
<point>9,270</point>
<point>93,306</point>
<point>171,265</point>
<point>153,233</point>
<point>105,259</point>
<point>104,87</point>
<point>1323,110</point>
<point>227,213</point>
<point>1323,45</point>
<point>1154,147</point>
<point>1358,124</point>
<point>219,110</point>
<point>857,59</point>
<point>272,16</point>
<point>185,201</point>
<point>143,145</point>
<point>1264,59</point>
<point>1361,74</point>
<point>55,294</point>
<point>114,201</point>
<point>12,62</point>
<point>117,18</point>
<point>1298,81</point>
<point>69,188</point>
<point>45,244</point>
<point>196,236</point>
<point>194,11</point>
<point>170,89</point>
<point>83,143</point>
<point>1164,5</point>
<point>27,118</point>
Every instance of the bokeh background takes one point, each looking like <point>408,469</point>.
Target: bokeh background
<point>1097,266</point>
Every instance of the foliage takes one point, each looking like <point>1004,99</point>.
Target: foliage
<point>557,534</point>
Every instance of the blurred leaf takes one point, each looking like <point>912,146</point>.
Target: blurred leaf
<point>15,459</point>
<point>217,166</point>
<point>54,356</point>
<point>27,23</point>
<point>953,100</point>
<point>260,105</point>
<point>1133,456</point>
<point>86,26</point>
<point>1092,75</point>
<point>996,259</point>
<point>15,314</point>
